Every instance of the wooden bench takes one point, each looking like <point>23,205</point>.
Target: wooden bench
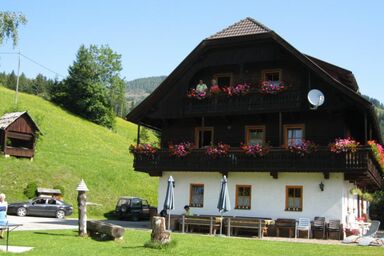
<point>95,227</point>
<point>287,224</point>
<point>236,223</point>
<point>188,222</point>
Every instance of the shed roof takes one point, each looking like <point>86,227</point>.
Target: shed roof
<point>7,119</point>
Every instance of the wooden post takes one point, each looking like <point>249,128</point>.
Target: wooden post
<point>82,204</point>
<point>138,134</point>
<point>211,226</point>
<point>280,129</point>
<point>260,232</point>
<point>202,131</point>
<point>229,227</point>
<point>183,225</point>
<point>82,201</point>
<point>365,128</point>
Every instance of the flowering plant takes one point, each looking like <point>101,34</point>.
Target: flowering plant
<point>344,145</point>
<point>272,87</point>
<point>239,89</point>
<point>302,148</point>
<point>253,150</point>
<point>143,149</point>
<point>214,90</point>
<point>378,152</point>
<point>219,150</point>
<point>194,94</point>
<point>180,150</point>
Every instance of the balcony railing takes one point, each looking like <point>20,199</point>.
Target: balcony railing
<point>277,160</point>
<point>252,102</point>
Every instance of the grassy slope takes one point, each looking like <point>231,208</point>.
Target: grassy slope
<point>66,243</point>
<point>73,148</point>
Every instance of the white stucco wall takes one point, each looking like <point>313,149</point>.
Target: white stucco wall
<point>268,194</point>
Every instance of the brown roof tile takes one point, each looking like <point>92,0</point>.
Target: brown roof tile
<point>247,26</point>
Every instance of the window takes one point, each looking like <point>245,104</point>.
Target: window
<point>271,75</point>
<point>51,201</point>
<point>223,79</point>
<point>203,136</point>
<point>243,197</point>
<point>196,198</point>
<point>254,135</point>
<point>294,134</point>
<point>135,203</point>
<point>294,198</point>
<point>40,201</point>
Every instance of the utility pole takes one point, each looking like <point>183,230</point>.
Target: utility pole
<point>17,81</point>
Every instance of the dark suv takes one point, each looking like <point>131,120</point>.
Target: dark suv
<point>133,208</point>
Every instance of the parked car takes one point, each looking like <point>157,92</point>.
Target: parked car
<point>133,208</point>
<point>41,206</point>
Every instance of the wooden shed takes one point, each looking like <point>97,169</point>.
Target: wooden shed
<point>18,134</point>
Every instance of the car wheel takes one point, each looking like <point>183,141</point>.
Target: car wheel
<point>21,212</point>
<point>60,214</point>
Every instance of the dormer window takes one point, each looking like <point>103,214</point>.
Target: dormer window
<point>273,75</point>
<point>223,79</point>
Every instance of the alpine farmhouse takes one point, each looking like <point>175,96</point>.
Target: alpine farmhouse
<point>261,98</point>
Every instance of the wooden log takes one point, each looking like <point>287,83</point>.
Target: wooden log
<point>158,231</point>
<point>98,227</point>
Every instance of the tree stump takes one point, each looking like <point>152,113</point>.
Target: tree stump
<point>159,234</point>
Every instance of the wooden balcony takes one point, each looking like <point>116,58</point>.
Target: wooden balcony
<point>361,166</point>
<point>19,152</point>
<point>254,102</point>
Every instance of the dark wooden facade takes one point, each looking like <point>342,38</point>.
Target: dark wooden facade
<point>345,112</point>
<point>18,136</point>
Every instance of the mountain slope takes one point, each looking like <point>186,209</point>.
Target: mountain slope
<point>72,148</point>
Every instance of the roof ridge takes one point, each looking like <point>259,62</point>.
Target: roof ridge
<point>241,28</point>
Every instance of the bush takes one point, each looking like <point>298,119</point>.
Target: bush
<point>30,191</point>
<point>61,189</point>
<point>159,246</point>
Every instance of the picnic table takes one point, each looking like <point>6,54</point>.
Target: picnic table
<point>9,227</point>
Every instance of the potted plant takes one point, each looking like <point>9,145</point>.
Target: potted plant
<point>255,150</point>
<point>180,150</point>
<point>378,152</point>
<point>344,145</point>
<point>356,191</point>
<point>145,149</point>
<point>194,94</point>
<point>218,150</point>
<point>272,87</point>
<point>303,148</point>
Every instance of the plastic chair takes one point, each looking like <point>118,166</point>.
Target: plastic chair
<point>375,224</point>
<point>303,225</point>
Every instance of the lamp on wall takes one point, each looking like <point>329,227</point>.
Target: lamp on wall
<point>321,186</point>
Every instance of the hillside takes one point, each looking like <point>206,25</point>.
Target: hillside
<point>138,89</point>
<point>73,148</point>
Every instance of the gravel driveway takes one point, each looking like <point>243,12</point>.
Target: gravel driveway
<point>41,223</point>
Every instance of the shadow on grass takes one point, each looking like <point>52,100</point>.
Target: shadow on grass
<point>133,247</point>
<point>56,234</point>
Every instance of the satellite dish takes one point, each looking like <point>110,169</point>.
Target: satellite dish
<point>316,98</point>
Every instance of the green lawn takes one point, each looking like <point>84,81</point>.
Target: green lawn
<point>73,148</point>
<point>67,243</point>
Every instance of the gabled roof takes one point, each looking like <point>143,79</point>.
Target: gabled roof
<point>249,30</point>
<point>247,26</point>
<point>7,119</point>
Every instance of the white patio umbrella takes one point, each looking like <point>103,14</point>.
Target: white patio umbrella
<point>224,205</point>
<point>169,202</point>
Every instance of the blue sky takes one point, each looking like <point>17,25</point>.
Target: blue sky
<point>155,36</point>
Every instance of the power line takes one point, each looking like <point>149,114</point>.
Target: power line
<point>33,61</point>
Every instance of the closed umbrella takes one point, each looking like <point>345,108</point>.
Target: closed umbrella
<point>224,205</point>
<point>169,202</point>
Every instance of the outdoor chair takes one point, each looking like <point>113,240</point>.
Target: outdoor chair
<point>285,224</point>
<point>367,238</point>
<point>335,226</point>
<point>303,225</point>
<point>375,224</point>
<point>319,225</point>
